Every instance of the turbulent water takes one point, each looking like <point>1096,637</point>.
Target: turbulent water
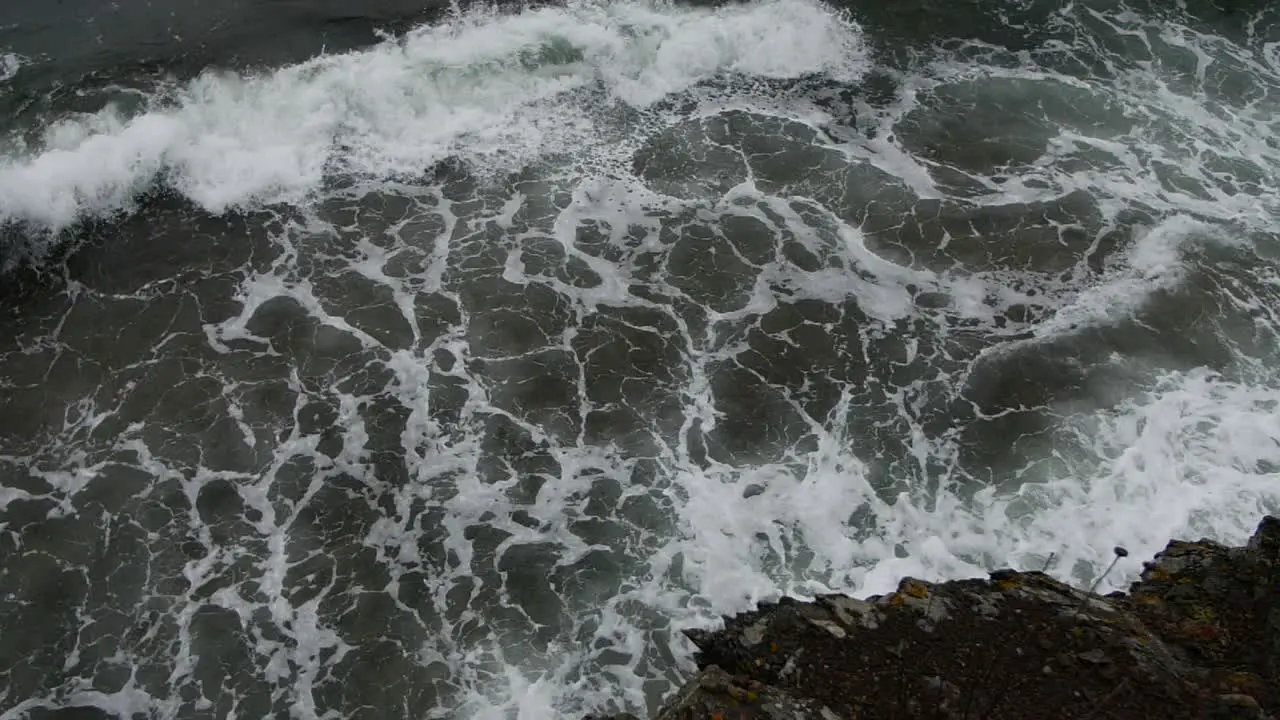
<point>450,376</point>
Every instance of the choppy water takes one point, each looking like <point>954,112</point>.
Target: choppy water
<point>451,376</point>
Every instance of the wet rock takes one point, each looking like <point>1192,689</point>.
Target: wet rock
<point>1197,637</point>
<point>1235,707</point>
<point>1095,656</point>
<point>851,612</point>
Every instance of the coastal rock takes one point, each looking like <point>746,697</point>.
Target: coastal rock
<point>1198,636</point>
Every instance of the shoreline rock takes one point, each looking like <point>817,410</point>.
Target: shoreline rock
<point>1196,637</point>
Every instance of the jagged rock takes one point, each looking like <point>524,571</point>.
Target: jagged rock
<point>1197,637</point>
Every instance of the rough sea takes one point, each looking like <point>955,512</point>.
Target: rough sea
<point>391,360</point>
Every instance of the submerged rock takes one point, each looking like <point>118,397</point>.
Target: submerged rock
<point>1198,636</point>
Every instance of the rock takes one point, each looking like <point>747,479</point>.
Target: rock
<point>1234,707</point>
<point>1096,656</point>
<point>755,634</point>
<point>851,612</point>
<point>713,679</point>
<point>1266,540</point>
<point>1197,637</point>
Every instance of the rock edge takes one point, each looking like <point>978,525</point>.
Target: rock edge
<point>1196,637</point>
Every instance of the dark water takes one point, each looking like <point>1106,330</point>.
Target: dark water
<point>77,37</point>
<point>450,375</point>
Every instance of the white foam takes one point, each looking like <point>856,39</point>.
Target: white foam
<point>125,702</point>
<point>9,65</point>
<point>483,84</point>
<point>1152,263</point>
<point>1271,53</point>
<point>1195,457</point>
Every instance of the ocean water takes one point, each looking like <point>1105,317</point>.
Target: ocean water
<point>446,362</point>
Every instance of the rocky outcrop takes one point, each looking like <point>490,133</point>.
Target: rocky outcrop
<point>1198,636</point>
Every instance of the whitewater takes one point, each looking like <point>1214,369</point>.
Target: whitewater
<point>453,376</point>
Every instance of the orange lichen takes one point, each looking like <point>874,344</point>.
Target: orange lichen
<point>914,588</point>
<point>1007,584</point>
